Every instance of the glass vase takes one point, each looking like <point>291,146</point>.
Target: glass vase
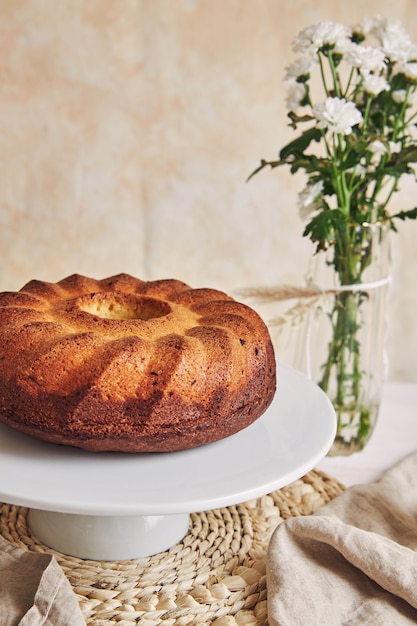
<point>341,344</point>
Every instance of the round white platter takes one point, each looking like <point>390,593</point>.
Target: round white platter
<point>115,506</point>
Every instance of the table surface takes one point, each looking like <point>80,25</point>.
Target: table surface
<point>395,437</point>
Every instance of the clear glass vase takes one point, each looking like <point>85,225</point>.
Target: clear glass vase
<point>341,344</point>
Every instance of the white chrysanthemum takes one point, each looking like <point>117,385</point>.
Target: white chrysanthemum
<point>337,114</point>
<point>378,148</point>
<point>367,25</point>
<point>398,49</point>
<point>379,26</point>
<point>375,84</point>
<point>412,52</point>
<point>300,67</point>
<point>408,69</point>
<point>312,38</point>
<point>392,37</point>
<point>399,95</point>
<point>394,147</point>
<point>308,199</point>
<point>366,58</point>
<point>295,94</point>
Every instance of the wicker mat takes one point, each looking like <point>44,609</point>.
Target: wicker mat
<point>215,575</point>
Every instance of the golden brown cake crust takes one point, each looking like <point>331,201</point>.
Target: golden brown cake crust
<point>121,364</point>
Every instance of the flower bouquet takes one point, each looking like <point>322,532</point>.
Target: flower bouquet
<point>352,98</point>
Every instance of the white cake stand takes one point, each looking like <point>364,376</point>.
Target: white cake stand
<point>113,506</point>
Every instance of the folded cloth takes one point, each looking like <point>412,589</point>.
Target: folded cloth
<point>34,590</point>
<point>353,562</point>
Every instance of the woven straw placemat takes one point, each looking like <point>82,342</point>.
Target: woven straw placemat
<point>216,575</point>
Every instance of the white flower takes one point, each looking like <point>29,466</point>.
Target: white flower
<point>379,26</point>
<point>398,49</point>
<point>394,147</point>
<point>366,58</point>
<point>412,52</point>
<point>308,199</point>
<point>399,95</point>
<point>367,25</point>
<point>375,84</point>
<point>394,40</point>
<point>300,67</point>
<point>312,38</point>
<point>378,148</point>
<point>295,94</point>
<point>337,114</point>
<point>408,69</point>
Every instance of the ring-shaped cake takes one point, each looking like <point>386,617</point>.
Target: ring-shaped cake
<point>121,364</point>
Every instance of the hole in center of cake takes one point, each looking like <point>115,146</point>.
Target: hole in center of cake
<point>124,307</point>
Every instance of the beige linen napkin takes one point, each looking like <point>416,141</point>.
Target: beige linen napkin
<point>354,562</point>
<point>34,590</point>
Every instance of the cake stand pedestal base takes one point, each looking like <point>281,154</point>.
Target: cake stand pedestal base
<point>106,537</point>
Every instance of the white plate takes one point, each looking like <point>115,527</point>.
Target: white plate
<point>292,436</point>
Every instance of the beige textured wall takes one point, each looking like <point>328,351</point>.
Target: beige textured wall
<point>128,128</point>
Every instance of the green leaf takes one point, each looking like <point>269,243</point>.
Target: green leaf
<point>298,146</point>
<point>411,214</point>
<point>263,164</point>
<point>408,155</point>
<point>353,158</point>
<point>323,226</point>
<point>309,163</point>
<point>296,119</point>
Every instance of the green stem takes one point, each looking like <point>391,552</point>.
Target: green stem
<point>323,75</point>
<point>344,349</point>
<point>335,77</point>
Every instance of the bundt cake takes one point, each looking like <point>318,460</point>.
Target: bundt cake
<point>122,364</point>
